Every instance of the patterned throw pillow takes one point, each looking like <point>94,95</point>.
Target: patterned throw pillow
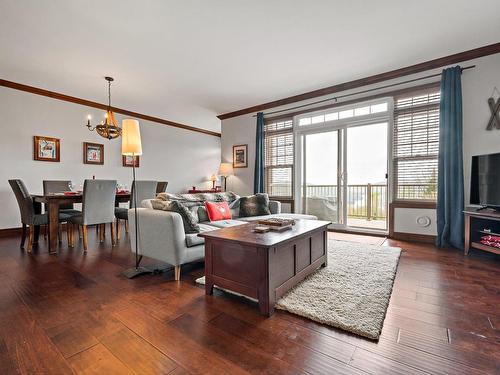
<point>254,205</point>
<point>218,211</point>
<point>189,221</point>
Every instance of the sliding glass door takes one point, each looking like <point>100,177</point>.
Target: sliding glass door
<point>320,189</point>
<point>342,173</point>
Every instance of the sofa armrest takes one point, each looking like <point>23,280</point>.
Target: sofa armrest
<point>161,235</point>
<point>275,207</point>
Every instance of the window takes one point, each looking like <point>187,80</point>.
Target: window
<point>416,144</point>
<point>278,157</point>
<point>345,114</point>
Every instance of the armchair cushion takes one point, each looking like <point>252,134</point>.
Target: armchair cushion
<point>218,211</point>
<point>254,205</point>
<point>189,221</point>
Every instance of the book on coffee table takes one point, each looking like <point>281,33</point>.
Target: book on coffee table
<point>277,222</point>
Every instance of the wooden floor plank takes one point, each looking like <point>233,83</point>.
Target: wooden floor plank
<point>75,314</point>
<point>137,354</point>
<point>98,360</point>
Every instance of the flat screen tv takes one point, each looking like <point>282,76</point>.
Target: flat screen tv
<point>485,180</point>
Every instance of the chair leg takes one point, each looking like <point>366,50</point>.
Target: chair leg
<point>30,238</point>
<point>23,236</point>
<point>59,234</point>
<point>80,232</point>
<point>126,226</point>
<point>102,227</point>
<point>117,229</point>
<point>113,234</point>
<point>69,234</point>
<point>85,238</point>
<point>177,273</point>
<point>36,234</point>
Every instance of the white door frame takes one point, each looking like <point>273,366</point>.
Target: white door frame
<point>341,126</point>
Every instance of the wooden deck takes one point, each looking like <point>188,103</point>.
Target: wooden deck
<point>73,313</point>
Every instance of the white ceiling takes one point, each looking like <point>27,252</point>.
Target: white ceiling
<point>189,60</point>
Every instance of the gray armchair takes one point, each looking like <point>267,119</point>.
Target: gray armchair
<point>143,190</point>
<point>98,208</point>
<point>31,218</point>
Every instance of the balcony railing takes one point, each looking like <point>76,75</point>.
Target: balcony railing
<point>368,202</point>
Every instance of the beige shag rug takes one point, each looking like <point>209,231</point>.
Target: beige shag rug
<point>352,293</point>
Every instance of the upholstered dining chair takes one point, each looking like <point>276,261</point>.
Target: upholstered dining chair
<point>161,187</point>
<point>98,208</point>
<point>145,190</point>
<point>31,217</point>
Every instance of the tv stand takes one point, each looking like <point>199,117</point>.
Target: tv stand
<point>480,222</point>
<point>493,208</point>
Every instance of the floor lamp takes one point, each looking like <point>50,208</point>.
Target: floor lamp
<point>131,146</point>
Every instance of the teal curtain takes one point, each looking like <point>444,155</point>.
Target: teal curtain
<point>450,201</point>
<point>258,184</point>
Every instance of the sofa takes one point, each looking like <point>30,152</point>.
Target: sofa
<point>162,234</point>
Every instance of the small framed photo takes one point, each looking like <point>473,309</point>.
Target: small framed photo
<point>128,161</point>
<point>240,156</point>
<point>93,153</point>
<point>46,149</point>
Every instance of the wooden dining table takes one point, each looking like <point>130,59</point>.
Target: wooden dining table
<point>52,203</point>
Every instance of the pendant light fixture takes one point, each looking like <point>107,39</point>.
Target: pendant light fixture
<point>107,128</point>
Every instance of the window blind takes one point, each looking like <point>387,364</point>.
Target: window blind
<point>416,144</point>
<point>278,157</point>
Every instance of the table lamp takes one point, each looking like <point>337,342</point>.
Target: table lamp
<point>225,170</point>
<point>131,146</point>
<point>213,178</point>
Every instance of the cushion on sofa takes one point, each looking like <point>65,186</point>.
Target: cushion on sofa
<point>218,211</point>
<point>189,221</point>
<point>192,239</point>
<point>254,205</point>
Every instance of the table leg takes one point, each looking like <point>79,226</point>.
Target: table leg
<point>53,225</point>
<point>266,303</point>
<point>209,285</point>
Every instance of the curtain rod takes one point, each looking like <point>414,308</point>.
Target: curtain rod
<point>335,98</point>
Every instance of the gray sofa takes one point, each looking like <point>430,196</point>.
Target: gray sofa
<point>162,236</point>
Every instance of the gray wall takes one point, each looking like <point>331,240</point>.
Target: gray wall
<point>477,87</point>
<point>183,158</point>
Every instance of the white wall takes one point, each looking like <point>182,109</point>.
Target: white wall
<point>181,157</point>
<point>477,85</point>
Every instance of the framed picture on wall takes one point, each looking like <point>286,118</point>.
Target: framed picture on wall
<point>128,161</point>
<point>93,153</point>
<point>240,156</point>
<point>46,149</point>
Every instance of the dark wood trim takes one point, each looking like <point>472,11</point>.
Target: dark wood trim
<point>413,237</point>
<point>377,78</point>
<point>385,94</point>
<point>413,204</point>
<point>10,232</point>
<point>89,103</point>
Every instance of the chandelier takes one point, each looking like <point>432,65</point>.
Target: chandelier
<point>108,127</point>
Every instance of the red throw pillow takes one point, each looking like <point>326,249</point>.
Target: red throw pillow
<point>218,211</point>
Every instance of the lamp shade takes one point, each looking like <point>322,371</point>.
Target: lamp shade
<point>131,138</point>
<point>226,169</point>
<point>213,178</point>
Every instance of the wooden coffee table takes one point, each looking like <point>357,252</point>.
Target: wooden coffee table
<point>263,266</point>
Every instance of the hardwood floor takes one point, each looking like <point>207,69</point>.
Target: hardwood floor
<point>74,313</point>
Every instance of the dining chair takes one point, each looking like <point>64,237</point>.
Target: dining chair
<point>98,208</point>
<point>31,216</point>
<point>161,187</point>
<point>145,190</point>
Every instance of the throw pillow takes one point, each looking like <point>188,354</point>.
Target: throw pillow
<point>254,205</point>
<point>189,221</point>
<point>218,211</point>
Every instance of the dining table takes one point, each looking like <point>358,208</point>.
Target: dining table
<point>52,203</point>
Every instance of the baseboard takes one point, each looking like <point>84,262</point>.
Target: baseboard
<point>360,233</point>
<point>10,232</point>
<point>426,238</point>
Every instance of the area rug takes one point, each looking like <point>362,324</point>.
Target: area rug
<point>352,293</point>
